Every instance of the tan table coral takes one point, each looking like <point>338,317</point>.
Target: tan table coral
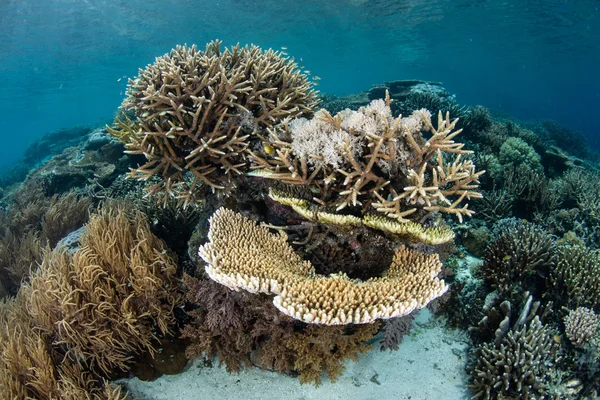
<point>243,255</point>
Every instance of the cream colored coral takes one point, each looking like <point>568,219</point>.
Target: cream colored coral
<point>581,325</point>
<point>242,255</point>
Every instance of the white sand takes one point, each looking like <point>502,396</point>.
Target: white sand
<point>428,366</point>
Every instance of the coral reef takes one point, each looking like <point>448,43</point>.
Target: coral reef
<point>195,112</point>
<point>242,255</point>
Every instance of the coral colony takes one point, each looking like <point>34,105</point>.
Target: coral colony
<point>269,225</point>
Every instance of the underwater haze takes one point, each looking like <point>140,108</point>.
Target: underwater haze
<point>66,62</point>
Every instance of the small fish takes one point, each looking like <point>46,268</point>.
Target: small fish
<point>269,149</point>
<point>556,338</point>
<point>506,258</point>
<point>306,71</point>
<point>283,48</point>
<point>283,53</point>
<point>317,78</point>
<point>119,80</point>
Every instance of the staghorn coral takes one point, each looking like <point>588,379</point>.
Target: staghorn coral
<point>581,325</point>
<point>197,111</point>
<point>242,255</point>
<point>517,366</point>
<point>519,253</point>
<point>374,161</point>
<point>105,302</point>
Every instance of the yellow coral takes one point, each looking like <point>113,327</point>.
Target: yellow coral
<point>242,255</point>
<point>407,230</point>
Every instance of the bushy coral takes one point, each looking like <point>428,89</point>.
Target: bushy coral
<point>80,316</point>
<point>241,328</point>
<point>581,325</point>
<point>518,254</point>
<point>196,111</point>
<point>515,151</point>
<point>575,281</point>
<point>518,366</point>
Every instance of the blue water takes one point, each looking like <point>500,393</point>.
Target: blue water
<point>61,60</point>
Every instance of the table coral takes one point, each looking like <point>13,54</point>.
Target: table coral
<point>242,255</point>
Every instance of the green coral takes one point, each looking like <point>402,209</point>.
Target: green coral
<point>515,152</point>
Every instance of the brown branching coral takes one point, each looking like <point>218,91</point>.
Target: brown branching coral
<point>323,349</point>
<point>575,280</point>
<point>241,328</point>
<point>104,303</point>
<point>519,252</point>
<point>197,110</point>
<point>517,367</point>
<point>242,255</point>
<point>367,158</point>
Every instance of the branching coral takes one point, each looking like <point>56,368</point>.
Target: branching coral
<point>576,279</point>
<point>519,251</point>
<point>368,158</point>
<point>517,367</point>
<point>517,363</point>
<point>242,255</point>
<point>581,325</point>
<point>196,110</point>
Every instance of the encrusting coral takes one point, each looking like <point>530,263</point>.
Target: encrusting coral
<point>196,111</point>
<point>368,158</point>
<point>242,255</point>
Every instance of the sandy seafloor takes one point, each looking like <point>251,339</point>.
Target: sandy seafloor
<point>429,365</point>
